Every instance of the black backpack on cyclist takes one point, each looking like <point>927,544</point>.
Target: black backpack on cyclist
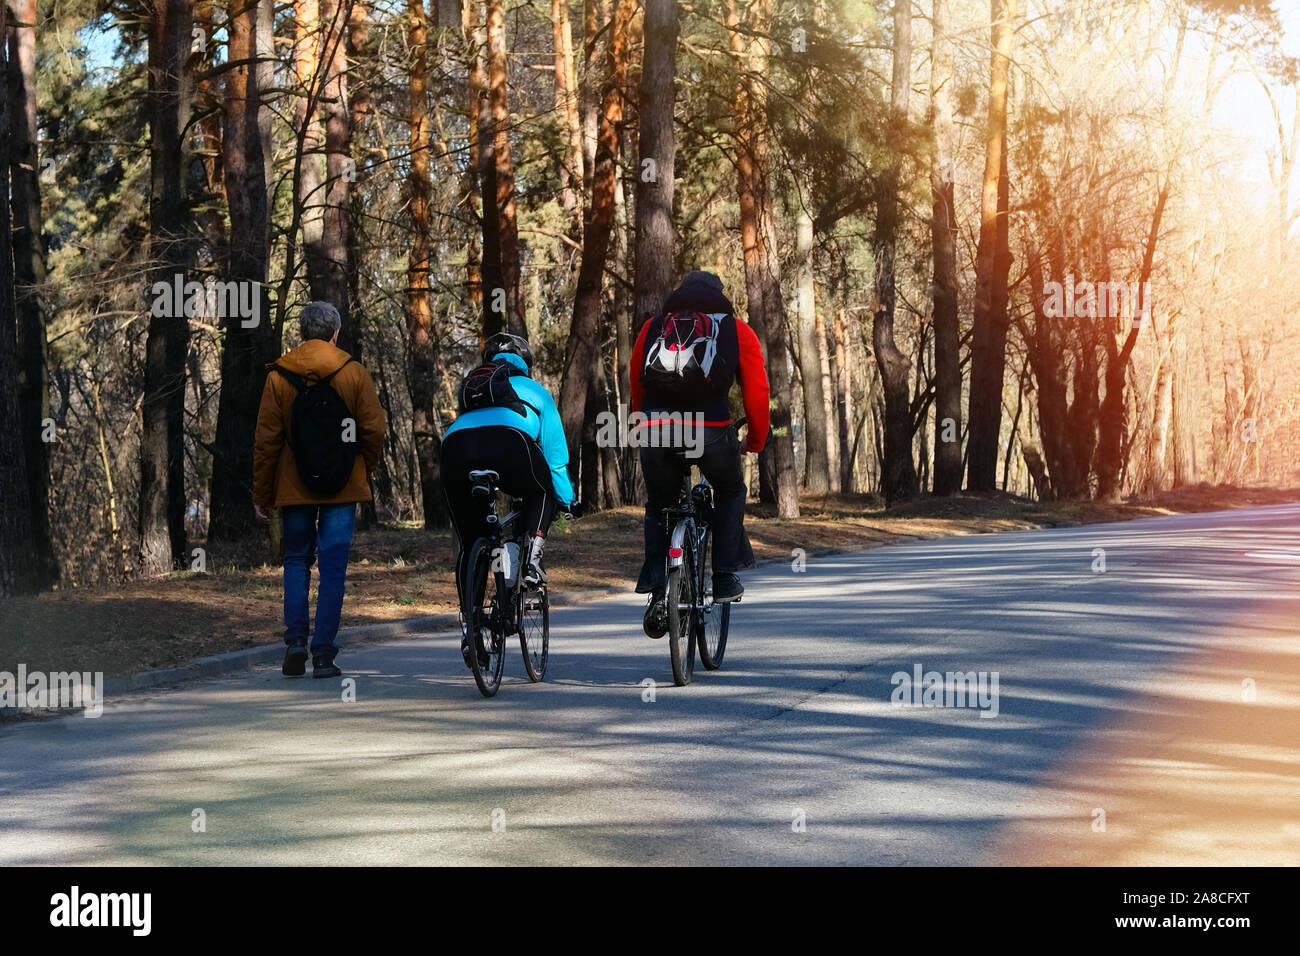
<point>316,428</point>
<point>488,386</point>
<point>688,356</point>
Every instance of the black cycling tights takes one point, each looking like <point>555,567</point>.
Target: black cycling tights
<point>523,470</point>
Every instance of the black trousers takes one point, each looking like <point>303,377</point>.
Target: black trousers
<point>524,473</point>
<point>666,471</point>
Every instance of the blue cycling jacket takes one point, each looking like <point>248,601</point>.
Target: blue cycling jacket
<point>546,430</point>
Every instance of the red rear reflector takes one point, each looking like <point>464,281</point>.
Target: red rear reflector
<point>674,552</point>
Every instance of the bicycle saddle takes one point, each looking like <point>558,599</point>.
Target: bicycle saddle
<point>485,480</point>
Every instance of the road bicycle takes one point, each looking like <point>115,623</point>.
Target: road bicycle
<point>695,620</point>
<point>494,601</point>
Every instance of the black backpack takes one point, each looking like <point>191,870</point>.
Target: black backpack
<point>683,358</point>
<point>488,386</point>
<point>316,424</point>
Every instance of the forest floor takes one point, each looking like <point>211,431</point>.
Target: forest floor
<point>404,572</point>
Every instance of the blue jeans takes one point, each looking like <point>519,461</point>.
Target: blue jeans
<point>311,531</point>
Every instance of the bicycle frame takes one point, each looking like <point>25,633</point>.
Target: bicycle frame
<point>500,529</point>
<point>683,516</point>
<point>687,522</point>
<point>687,527</point>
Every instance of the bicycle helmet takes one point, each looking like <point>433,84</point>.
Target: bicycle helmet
<point>508,342</point>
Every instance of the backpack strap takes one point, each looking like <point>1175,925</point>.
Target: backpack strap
<point>300,383</point>
<point>514,372</point>
<point>339,369</point>
<point>293,378</point>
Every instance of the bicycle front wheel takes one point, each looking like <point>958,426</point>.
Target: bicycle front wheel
<point>486,619</point>
<point>715,619</point>
<point>535,631</point>
<point>683,616</point>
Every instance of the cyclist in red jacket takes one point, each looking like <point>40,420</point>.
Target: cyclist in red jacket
<point>698,319</point>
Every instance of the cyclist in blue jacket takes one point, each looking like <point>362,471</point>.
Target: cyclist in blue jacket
<point>523,442</point>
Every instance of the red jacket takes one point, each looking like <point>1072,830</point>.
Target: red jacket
<point>750,373</point>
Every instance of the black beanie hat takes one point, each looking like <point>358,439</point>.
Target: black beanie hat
<point>699,291</point>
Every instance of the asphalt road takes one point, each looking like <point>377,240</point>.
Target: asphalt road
<point>1163,692</point>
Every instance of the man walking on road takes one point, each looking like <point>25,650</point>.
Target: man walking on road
<point>320,432</point>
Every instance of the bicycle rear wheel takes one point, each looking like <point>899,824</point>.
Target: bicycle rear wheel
<point>487,619</point>
<point>535,631</point>
<point>683,615</point>
<point>714,618</point>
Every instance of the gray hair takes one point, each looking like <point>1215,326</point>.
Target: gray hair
<point>318,320</point>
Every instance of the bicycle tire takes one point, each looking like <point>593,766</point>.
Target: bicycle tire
<point>715,619</point>
<point>487,677</point>
<point>682,626</point>
<point>536,651</point>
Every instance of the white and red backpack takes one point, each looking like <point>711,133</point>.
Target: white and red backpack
<point>682,358</point>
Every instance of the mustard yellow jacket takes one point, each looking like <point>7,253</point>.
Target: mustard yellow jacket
<point>275,473</point>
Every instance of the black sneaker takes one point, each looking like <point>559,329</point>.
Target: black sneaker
<point>655,622</point>
<point>324,667</point>
<point>726,587</point>
<point>295,660</point>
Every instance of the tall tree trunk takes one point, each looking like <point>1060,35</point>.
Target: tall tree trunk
<point>495,310</point>
<point>503,307</point>
<point>828,402</point>
<point>992,263</point>
<point>208,102</point>
<point>898,475</point>
<point>1157,476</point>
<point>595,16</point>
<point>471,32</point>
<point>423,375</point>
<point>357,108</point>
<point>1184,436</point>
<point>161,515</point>
<point>29,274</point>
<point>817,469</point>
<point>844,405</point>
<point>657,148</point>
<point>566,104</point>
<point>1113,422</point>
<point>943,229</point>
<point>336,245</point>
<point>247,347</point>
<point>18,573</point>
<point>758,238</point>
<point>583,351</point>
<point>613,374</point>
<point>268,61</point>
<point>310,197</point>
<point>359,48</point>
